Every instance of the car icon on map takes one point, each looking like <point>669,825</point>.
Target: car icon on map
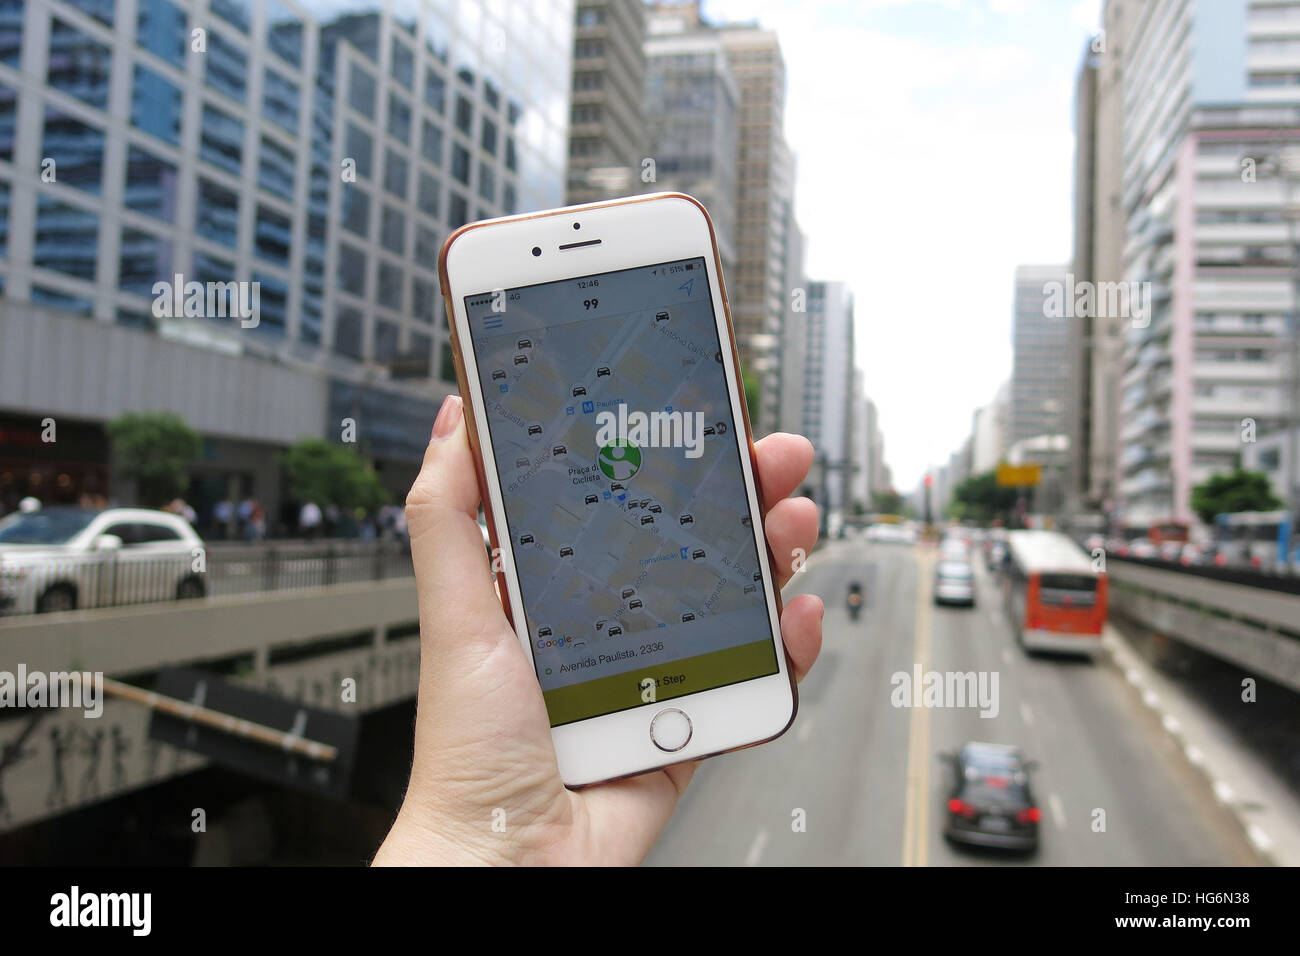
<point>656,509</point>
<point>751,588</point>
<point>661,316</point>
<point>534,430</point>
<point>615,630</point>
<point>543,632</point>
<point>602,372</point>
<point>758,575</point>
<point>566,551</point>
<point>647,519</point>
<point>591,499</point>
<point>628,592</point>
<point>697,554</point>
<point>686,519</point>
<point>524,344</point>
<point>521,359</point>
<point>710,430</point>
<point>634,604</point>
<point>579,390</point>
<point>498,374</point>
<point>522,463</point>
<point>617,486</point>
<point>688,617</point>
<point>525,539</point>
<point>559,450</point>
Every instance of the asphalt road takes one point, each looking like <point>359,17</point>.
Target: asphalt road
<point>858,780</point>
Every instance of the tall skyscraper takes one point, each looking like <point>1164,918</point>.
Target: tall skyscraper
<point>1040,341</point>
<point>1211,102</point>
<point>828,384</point>
<point>692,108</point>
<point>607,137</point>
<point>321,155</point>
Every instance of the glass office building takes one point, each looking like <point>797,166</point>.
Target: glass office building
<point>322,150</point>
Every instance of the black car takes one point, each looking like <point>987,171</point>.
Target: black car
<point>524,344</point>
<point>566,551</point>
<point>521,359</point>
<point>688,617</point>
<point>602,372</point>
<point>661,316</point>
<point>615,630</point>
<point>991,802</point>
<point>592,499</point>
<point>525,539</point>
<point>579,390</point>
<point>534,430</point>
<point>559,450</point>
<point>647,519</point>
<point>498,374</point>
<point>686,519</point>
<point>628,592</point>
<point>697,554</point>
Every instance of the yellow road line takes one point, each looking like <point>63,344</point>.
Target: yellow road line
<point>916,802</point>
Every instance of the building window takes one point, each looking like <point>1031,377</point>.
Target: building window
<point>460,163</point>
<point>4,221</point>
<point>227,67</point>
<point>77,150</point>
<point>385,341</point>
<point>392,232</point>
<point>390,286</point>
<point>272,303</point>
<point>457,210</point>
<point>8,121</point>
<point>362,92</point>
<point>431,143</point>
<point>403,64</point>
<point>396,173</point>
<point>234,12</point>
<point>216,215</point>
<point>399,119</point>
<point>56,299</point>
<point>275,170</point>
<point>67,239</point>
<point>359,147</point>
<point>221,141</point>
<point>78,65</point>
<point>144,259</point>
<point>150,185</point>
<point>435,90</point>
<point>284,32</point>
<point>427,199</point>
<point>348,323</point>
<point>161,29</point>
<point>356,210</point>
<point>156,106</point>
<point>424,295</point>
<point>426,245</point>
<point>351,270</point>
<point>487,182</point>
<point>280,101</point>
<point>273,236</point>
<point>464,116</point>
<point>101,10</point>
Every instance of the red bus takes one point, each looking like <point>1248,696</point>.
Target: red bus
<point>1054,596</point>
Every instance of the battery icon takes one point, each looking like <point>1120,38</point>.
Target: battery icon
<point>690,266</point>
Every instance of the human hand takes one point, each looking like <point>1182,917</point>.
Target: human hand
<point>482,736</point>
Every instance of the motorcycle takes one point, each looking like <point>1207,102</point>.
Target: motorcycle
<point>855,600</point>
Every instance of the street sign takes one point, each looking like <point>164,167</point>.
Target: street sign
<point>257,733</point>
<point>1019,476</point>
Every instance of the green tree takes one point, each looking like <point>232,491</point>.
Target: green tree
<point>331,474</point>
<point>887,502</point>
<point>153,449</point>
<point>1237,490</point>
<point>981,499</point>
<point>750,383</point>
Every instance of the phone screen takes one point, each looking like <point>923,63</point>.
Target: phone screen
<point>625,502</point>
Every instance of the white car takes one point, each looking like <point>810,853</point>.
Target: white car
<point>62,559</point>
<point>954,582</point>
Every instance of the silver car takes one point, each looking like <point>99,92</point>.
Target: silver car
<point>954,583</point>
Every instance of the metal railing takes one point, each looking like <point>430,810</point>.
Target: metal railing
<point>38,584</point>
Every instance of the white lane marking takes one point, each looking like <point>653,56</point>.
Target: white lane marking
<point>1133,676</point>
<point>1058,810</point>
<point>805,731</point>
<point>1223,792</point>
<point>1150,698</point>
<point>1194,755</point>
<point>1006,656</point>
<point>756,848</point>
<point>1171,724</point>
<point>1263,842</point>
<point>1026,714</point>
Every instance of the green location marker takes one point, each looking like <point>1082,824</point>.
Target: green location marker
<point>619,460</point>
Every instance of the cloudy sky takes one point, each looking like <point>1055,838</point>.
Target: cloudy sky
<point>935,154</point>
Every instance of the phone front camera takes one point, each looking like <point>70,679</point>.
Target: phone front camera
<point>577,225</point>
<point>537,250</point>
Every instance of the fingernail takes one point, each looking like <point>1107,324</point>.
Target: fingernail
<point>445,423</point>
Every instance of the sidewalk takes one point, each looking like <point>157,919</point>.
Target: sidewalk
<point>1266,808</point>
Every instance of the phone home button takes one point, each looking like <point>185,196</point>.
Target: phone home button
<point>671,730</point>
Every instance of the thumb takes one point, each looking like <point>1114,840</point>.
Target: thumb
<point>458,603</point>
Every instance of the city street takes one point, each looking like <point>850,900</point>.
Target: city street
<point>868,775</point>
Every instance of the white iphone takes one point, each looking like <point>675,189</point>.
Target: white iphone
<point>596,359</point>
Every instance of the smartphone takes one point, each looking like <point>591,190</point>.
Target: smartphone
<point>596,359</point>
